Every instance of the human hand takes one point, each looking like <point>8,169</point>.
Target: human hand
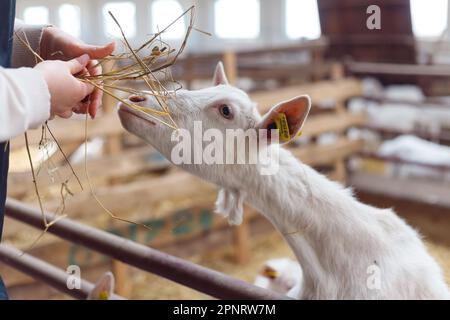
<point>67,92</point>
<point>58,45</point>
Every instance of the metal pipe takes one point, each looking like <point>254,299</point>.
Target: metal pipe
<point>202,279</point>
<point>45,272</point>
<point>42,271</point>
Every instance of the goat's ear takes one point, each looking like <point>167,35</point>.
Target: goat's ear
<point>219,75</point>
<point>103,289</point>
<point>288,117</point>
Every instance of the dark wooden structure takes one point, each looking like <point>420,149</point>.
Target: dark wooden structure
<point>344,24</point>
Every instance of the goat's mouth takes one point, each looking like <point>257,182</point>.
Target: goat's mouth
<point>135,99</point>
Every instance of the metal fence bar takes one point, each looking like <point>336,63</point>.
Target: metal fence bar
<point>42,271</point>
<point>202,279</point>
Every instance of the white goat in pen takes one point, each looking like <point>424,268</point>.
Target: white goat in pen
<point>348,250</point>
<point>428,117</point>
<point>281,275</point>
<point>103,288</point>
<point>412,148</point>
<point>387,115</point>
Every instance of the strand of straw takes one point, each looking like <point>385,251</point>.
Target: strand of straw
<point>47,224</point>
<point>91,188</point>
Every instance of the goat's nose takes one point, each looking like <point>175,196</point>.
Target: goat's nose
<point>137,98</point>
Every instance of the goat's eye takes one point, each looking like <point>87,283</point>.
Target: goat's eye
<point>225,111</point>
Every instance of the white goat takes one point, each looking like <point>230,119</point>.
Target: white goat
<point>412,148</point>
<point>282,275</point>
<point>348,250</point>
<point>103,288</point>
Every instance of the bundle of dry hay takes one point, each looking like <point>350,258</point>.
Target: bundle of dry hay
<point>132,65</point>
<point>135,65</point>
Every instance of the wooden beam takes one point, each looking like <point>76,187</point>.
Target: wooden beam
<point>429,192</point>
<point>443,137</point>
<point>319,155</point>
<point>72,130</point>
<point>332,122</point>
<point>428,102</point>
<point>256,72</point>
<point>336,91</point>
<point>137,200</point>
<point>100,170</point>
<point>317,44</point>
<point>398,69</point>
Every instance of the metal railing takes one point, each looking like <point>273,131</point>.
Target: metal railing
<point>202,279</point>
<point>45,272</point>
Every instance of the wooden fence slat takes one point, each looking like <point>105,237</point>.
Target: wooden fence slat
<point>320,91</point>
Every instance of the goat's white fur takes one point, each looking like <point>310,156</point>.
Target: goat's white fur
<point>335,238</point>
<point>230,204</point>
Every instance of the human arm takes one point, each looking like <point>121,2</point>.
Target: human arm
<point>21,55</point>
<point>24,101</point>
<point>30,96</point>
<point>52,43</point>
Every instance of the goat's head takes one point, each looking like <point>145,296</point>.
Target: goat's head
<point>218,110</point>
<point>221,107</point>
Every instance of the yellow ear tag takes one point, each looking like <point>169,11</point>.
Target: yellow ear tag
<point>283,127</point>
<point>300,133</point>
<point>103,295</point>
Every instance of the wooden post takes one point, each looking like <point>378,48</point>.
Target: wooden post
<point>121,271</point>
<point>336,74</point>
<point>241,232</point>
<point>336,71</point>
<point>189,65</point>
<point>340,171</point>
<point>231,66</point>
<point>317,58</point>
<point>241,241</point>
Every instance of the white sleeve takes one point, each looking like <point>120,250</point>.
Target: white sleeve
<point>21,55</point>
<point>24,101</point>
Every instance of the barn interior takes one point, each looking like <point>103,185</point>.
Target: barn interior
<point>378,75</point>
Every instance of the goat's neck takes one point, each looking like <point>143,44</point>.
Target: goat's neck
<point>316,216</point>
